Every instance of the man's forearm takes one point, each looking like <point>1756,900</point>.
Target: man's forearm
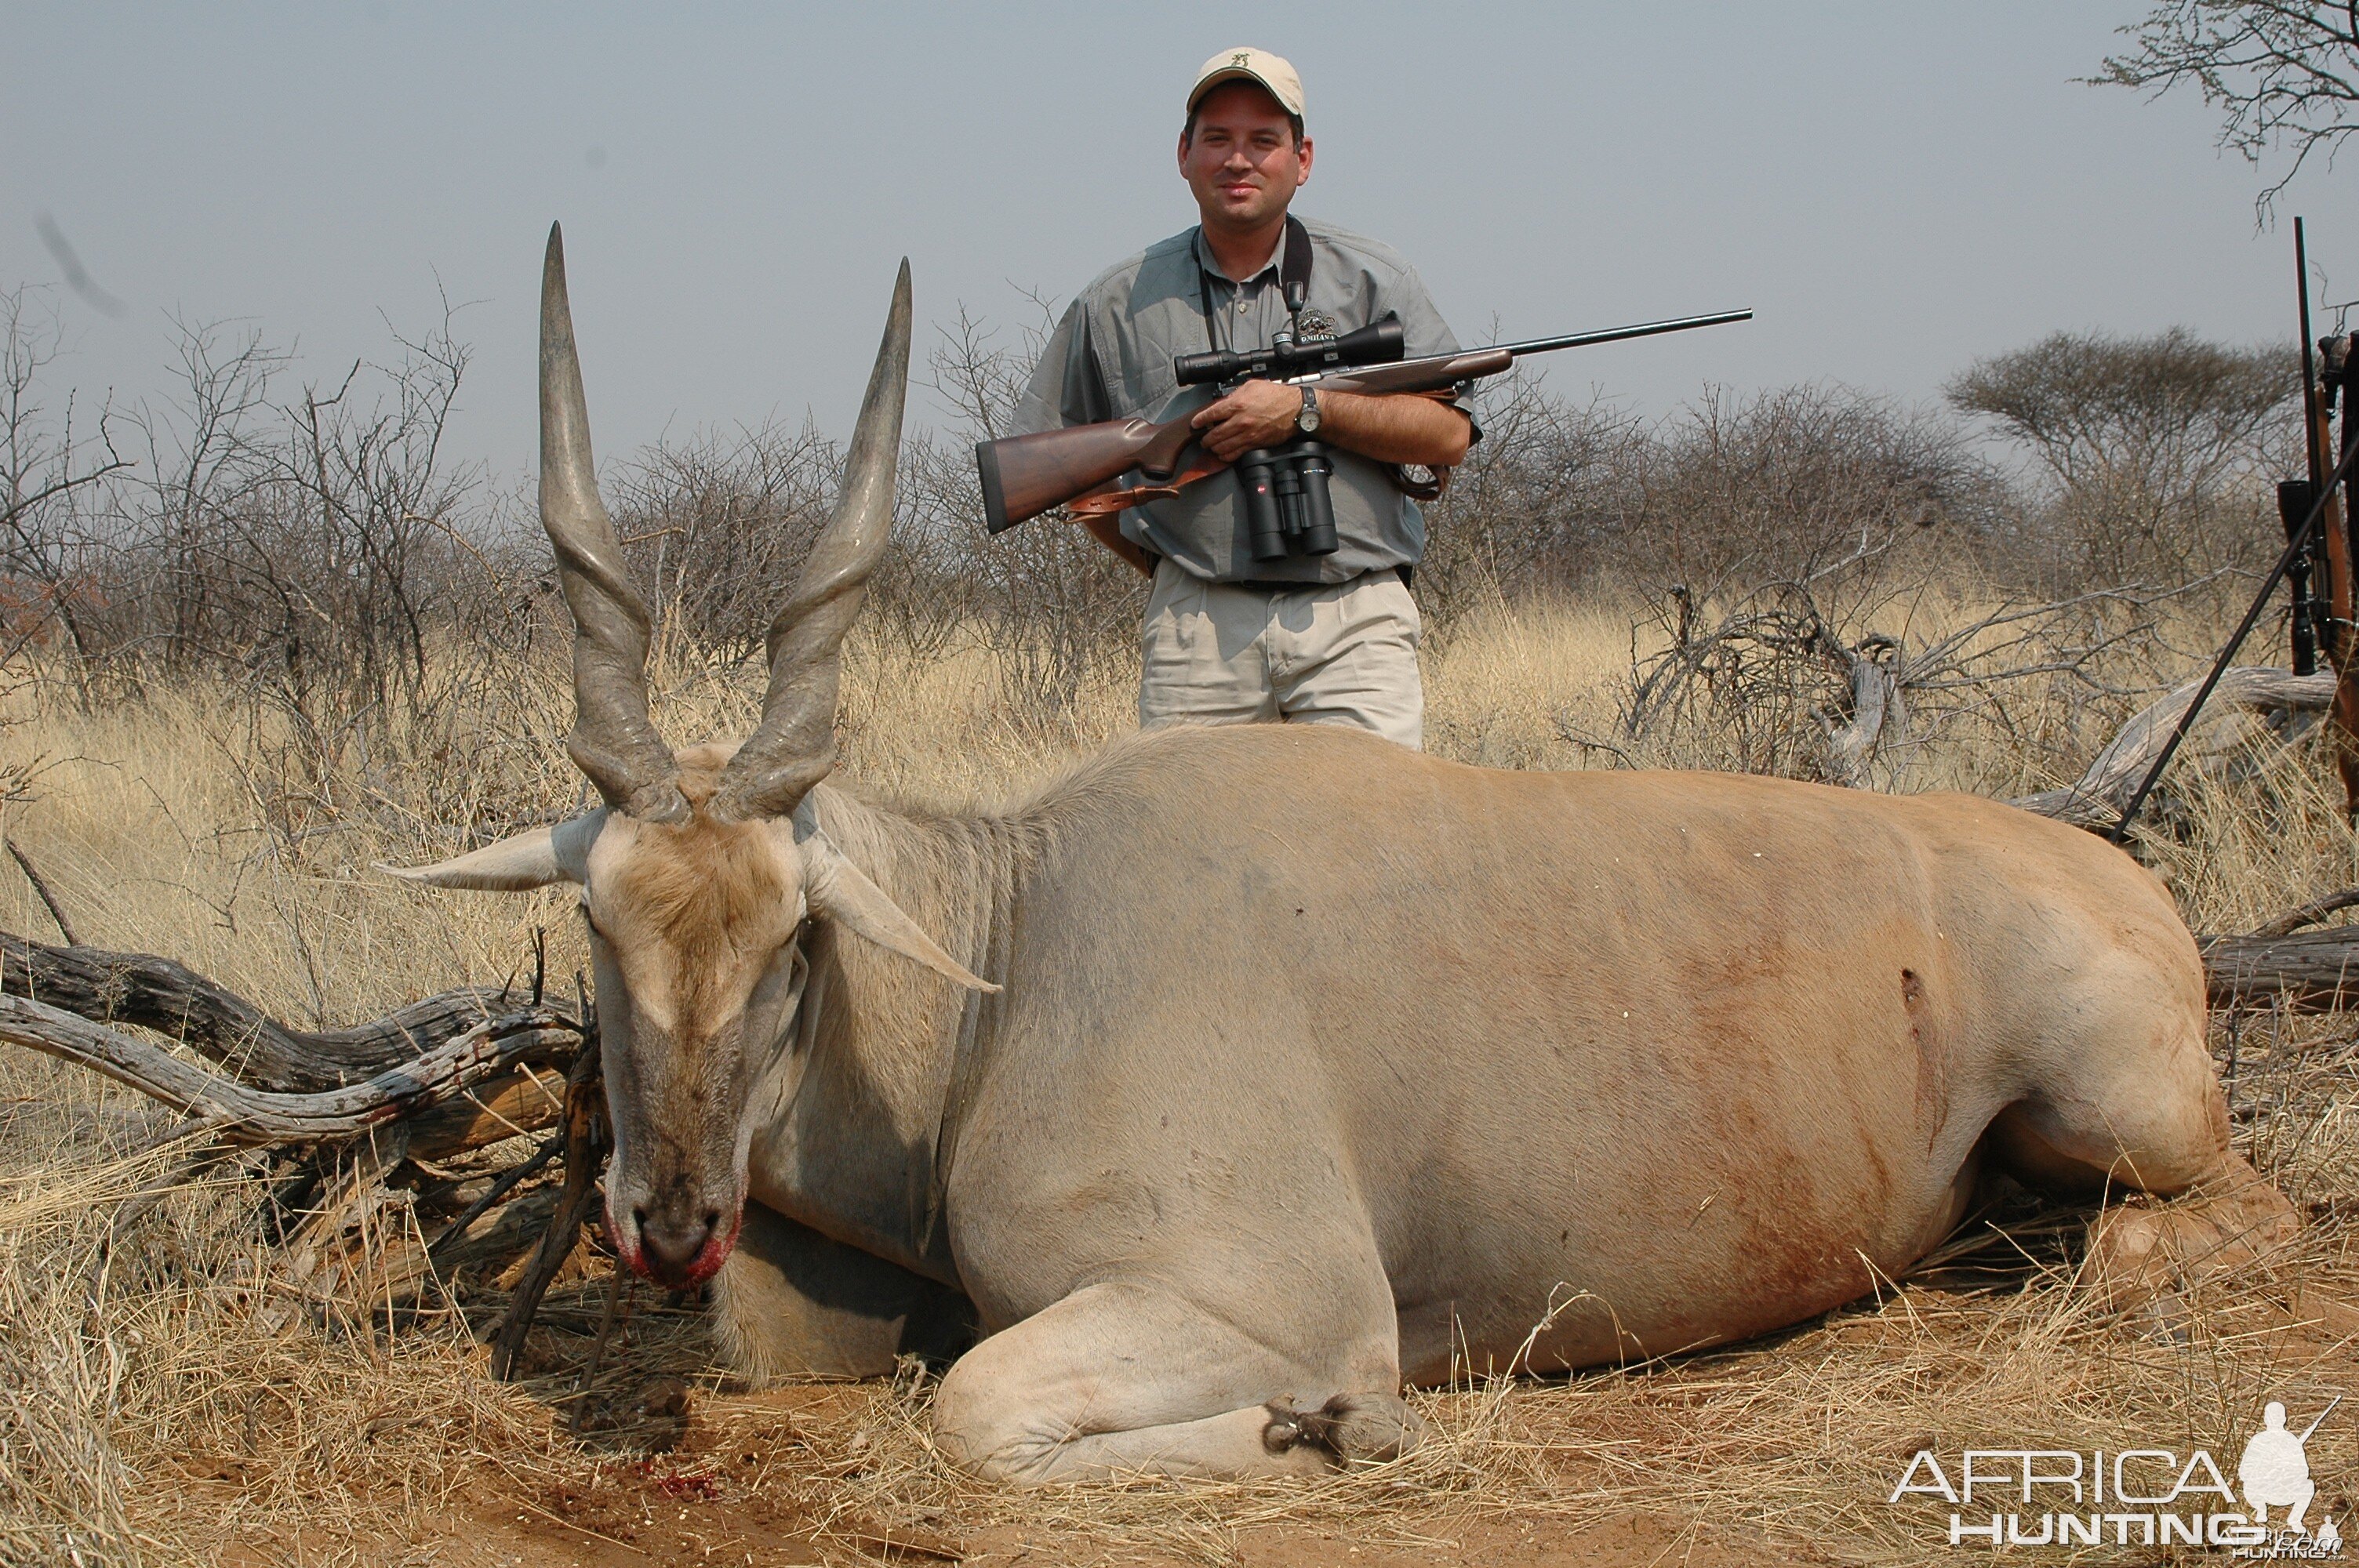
<point>1399,429</point>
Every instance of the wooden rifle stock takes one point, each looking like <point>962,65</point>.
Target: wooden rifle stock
<point>1024,476</point>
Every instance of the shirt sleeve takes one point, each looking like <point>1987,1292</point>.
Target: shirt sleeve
<point>1422,327</point>
<point>1066,387</point>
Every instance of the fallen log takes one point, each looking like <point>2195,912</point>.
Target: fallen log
<point>524,1099</point>
<point>363,1113</point>
<point>408,1275</point>
<point>506,1182</point>
<point>2098,798</point>
<point>2309,971</point>
<point>233,1112</point>
<point>156,993</point>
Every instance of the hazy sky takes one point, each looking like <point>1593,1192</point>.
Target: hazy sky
<point>1895,187</point>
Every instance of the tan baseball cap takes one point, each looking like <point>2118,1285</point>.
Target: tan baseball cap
<point>1250,65</point>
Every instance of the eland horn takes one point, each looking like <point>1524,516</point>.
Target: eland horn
<point>613,742</point>
<point>794,746</point>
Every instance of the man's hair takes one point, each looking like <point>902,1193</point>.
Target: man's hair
<point>1294,122</point>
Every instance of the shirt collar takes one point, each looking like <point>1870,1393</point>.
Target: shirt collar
<point>1211,267</point>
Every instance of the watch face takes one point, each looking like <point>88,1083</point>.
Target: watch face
<point>1308,420</point>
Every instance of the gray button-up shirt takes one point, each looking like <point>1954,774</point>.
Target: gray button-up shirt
<point>1110,358</point>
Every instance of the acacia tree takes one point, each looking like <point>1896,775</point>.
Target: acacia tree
<point>2144,438</point>
<point>2283,73</point>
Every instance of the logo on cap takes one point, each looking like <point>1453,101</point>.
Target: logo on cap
<point>1255,65</point>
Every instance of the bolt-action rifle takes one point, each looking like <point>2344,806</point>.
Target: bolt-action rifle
<point>1081,467</point>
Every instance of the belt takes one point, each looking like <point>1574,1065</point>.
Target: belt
<point>1288,585</point>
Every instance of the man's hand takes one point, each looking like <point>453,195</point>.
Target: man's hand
<point>1258,414</point>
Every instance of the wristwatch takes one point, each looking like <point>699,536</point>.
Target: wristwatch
<point>1307,422</point>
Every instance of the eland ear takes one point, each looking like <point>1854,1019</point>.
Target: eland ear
<point>528,861</point>
<point>843,893</point>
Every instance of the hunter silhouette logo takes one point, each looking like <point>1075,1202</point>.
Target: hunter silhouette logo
<point>2275,1474</point>
<point>2133,1497</point>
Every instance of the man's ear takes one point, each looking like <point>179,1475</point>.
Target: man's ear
<point>530,860</point>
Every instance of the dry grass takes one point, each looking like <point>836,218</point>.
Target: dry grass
<point>177,1405</point>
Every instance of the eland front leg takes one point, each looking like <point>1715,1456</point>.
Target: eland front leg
<point>2128,1100</point>
<point>790,1303</point>
<point>1128,1377</point>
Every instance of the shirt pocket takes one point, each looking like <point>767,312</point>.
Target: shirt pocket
<point>1144,388</point>
<point>1135,360</point>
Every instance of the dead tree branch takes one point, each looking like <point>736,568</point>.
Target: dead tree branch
<point>458,1078</point>
<point>586,1156</point>
<point>158,994</point>
<point>2311,971</point>
<point>1792,677</point>
<point>2309,913</point>
<point>41,890</point>
<point>233,1113</point>
<point>456,1231</point>
<point>2102,794</point>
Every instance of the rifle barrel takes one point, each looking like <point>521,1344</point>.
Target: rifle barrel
<point>1616,334</point>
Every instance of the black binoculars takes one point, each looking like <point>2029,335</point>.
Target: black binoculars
<point>1287,508</point>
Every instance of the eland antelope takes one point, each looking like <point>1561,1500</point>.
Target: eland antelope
<point>1210,1095</point>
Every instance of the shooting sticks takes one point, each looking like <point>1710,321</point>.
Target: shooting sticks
<point>2340,636</point>
<point>2299,542</point>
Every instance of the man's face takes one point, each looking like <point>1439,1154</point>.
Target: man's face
<point>1242,162</point>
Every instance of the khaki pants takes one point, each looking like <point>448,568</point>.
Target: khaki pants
<point>1343,654</point>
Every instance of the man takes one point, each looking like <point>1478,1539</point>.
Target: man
<point>1319,639</point>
